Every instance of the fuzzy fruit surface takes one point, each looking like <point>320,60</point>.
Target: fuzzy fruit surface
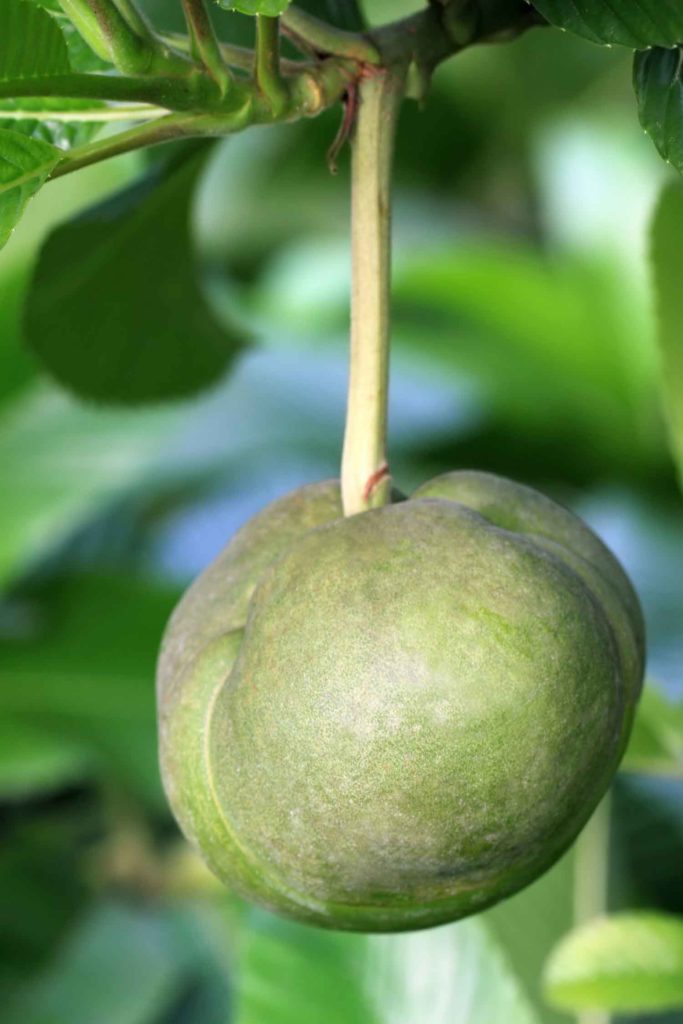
<point>396,719</point>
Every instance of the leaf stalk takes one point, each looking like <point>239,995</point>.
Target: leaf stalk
<point>204,43</point>
<point>267,73</point>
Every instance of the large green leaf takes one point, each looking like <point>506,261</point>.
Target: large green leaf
<point>292,974</point>
<point>636,23</point>
<point>25,165</point>
<point>65,197</point>
<point>667,264</point>
<point>656,745</point>
<point>626,963</point>
<point>116,312</point>
<point>31,43</point>
<point>658,80</point>
<point>85,672</point>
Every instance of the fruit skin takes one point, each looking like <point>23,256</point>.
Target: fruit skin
<point>394,720</point>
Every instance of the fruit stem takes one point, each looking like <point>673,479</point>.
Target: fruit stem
<point>366,482</point>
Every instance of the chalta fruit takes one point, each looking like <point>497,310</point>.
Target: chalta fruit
<point>396,719</point>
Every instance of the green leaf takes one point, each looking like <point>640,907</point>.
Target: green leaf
<point>667,266</point>
<point>31,42</point>
<point>120,966</point>
<point>271,8</point>
<point>290,974</point>
<point>635,23</point>
<point>85,673</point>
<point>624,964</point>
<point>116,312</point>
<point>656,745</point>
<point>36,761</point>
<point>25,165</point>
<point>52,206</point>
<point>658,81</point>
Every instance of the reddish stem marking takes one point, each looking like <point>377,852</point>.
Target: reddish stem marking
<point>373,481</point>
<point>350,110</point>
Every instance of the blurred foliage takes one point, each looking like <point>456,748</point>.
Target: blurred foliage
<point>140,329</point>
<point>525,343</point>
<point>667,226</point>
<point>628,962</point>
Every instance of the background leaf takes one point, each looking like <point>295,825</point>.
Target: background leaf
<point>626,963</point>
<point>34,760</point>
<point>656,744</point>
<point>25,165</point>
<point>636,23</point>
<point>658,80</point>
<point>119,967</point>
<point>85,674</point>
<point>666,240</point>
<point>129,323</point>
<point>68,482</point>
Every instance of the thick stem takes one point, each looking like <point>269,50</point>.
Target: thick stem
<point>366,482</point>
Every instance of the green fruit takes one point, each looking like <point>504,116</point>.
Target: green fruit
<point>396,719</point>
